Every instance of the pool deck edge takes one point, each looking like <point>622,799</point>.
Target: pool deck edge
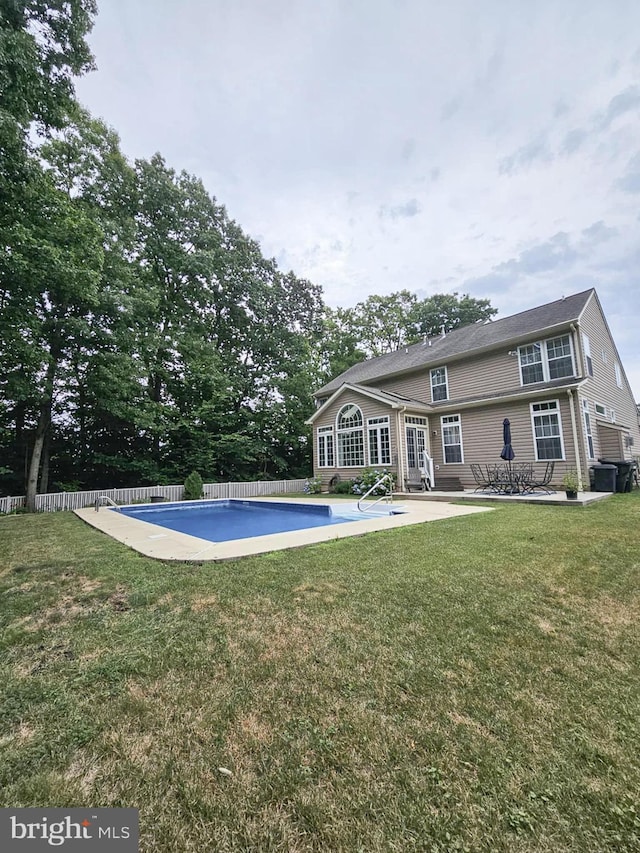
<point>164,544</point>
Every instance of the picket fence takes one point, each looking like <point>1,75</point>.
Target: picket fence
<point>59,501</point>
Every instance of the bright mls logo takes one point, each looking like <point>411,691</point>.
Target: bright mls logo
<point>86,830</point>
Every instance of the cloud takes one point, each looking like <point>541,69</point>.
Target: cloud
<point>621,104</point>
<point>536,151</point>
<point>597,233</point>
<point>408,149</point>
<point>554,255</point>
<point>630,181</point>
<point>573,141</point>
<point>546,256</point>
<point>450,108</point>
<point>560,108</point>
<point>407,210</point>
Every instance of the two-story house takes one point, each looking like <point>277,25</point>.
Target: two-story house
<point>554,371</point>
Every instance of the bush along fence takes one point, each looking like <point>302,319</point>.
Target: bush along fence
<point>59,501</point>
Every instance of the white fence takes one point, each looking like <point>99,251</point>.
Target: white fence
<point>76,500</point>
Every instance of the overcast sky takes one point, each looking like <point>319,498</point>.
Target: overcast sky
<point>489,148</point>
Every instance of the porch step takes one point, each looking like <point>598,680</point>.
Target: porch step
<point>448,484</point>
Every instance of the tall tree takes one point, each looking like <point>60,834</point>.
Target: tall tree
<point>42,259</point>
<point>42,48</point>
<point>382,323</point>
<point>53,271</point>
<point>449,311</point>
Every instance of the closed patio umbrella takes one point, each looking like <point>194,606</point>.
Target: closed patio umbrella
<point>507,451</point>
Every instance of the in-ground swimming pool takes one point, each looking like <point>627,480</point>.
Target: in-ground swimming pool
<point>224,520</point>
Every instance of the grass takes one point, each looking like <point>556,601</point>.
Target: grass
<point>466,685</point>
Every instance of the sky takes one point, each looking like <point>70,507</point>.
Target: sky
<point>377,145</point>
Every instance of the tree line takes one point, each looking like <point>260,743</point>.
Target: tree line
<point>143,334</point>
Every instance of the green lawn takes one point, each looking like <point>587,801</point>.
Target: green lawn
<point>470,684</point>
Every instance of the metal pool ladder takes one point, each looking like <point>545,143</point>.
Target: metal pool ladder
<point>388,496</point>
<point>106,498</point>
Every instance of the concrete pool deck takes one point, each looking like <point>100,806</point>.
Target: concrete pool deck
<point>163,544</point>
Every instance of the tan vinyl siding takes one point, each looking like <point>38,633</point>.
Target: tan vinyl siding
<point>482,438</point>
<point>476,376</point>
<point>414,385</point>
<point>602,387</point>
<point>370,408</point>
<point>611,443</point>
<point>486,374</point>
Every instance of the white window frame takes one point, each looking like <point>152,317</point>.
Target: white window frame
<point>434,385</point>
<point>588,361</point>
<point>541,413</point>
<point>618,372</point>
<point>544,360</point>
<point>326,447</point>
<point>586,414</point>
<point>600,410</point>
<point>415,431</point>
<point>375,429</point>
<point>447,421</point>
<point>342,433</point>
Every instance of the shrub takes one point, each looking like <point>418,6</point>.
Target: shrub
<point>368,478</point>
<point>313,486</point>
<point>193,488</point>
<point>343,487</point>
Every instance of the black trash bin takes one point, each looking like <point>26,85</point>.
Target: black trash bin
<point>623,468</point>
<point>604,478</point>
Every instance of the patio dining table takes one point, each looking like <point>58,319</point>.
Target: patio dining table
<point>514,479</point>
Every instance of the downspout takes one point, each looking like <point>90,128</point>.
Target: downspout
<point>399,419</point>
<point>574,430</point>
<point>578,349</point>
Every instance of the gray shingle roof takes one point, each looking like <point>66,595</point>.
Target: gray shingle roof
<point>479,336</point>
<point>389,395</point>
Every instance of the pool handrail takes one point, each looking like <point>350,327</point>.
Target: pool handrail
<point>388,495</point>
<point>108,500</point>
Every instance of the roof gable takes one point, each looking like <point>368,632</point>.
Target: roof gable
<point>395,401</point>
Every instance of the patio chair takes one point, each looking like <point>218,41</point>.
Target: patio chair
<point>483,480</point>
<point>496,477</point>
<point>415,480</point>
<point>543,481</point>
<point>523,475</point>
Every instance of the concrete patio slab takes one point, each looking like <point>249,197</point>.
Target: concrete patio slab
<point>554,499</point>
<point>164,544</point>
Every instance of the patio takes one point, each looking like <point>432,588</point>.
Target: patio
<point>558,498</point>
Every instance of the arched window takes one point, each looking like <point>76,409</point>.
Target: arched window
<point>350,434</point>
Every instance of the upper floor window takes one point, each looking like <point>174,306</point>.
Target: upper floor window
<point>588,362</point>
<point>350,435</point>
<point>325,447</point>
<point>546,360</point>
<point>547,430</point>
<point>439,389</point>
<point>618,372</point>
<point>452,438</point>
<point>601,410</point>
<point>379,442</point>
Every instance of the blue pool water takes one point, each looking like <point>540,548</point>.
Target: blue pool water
<point>224,520</point>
